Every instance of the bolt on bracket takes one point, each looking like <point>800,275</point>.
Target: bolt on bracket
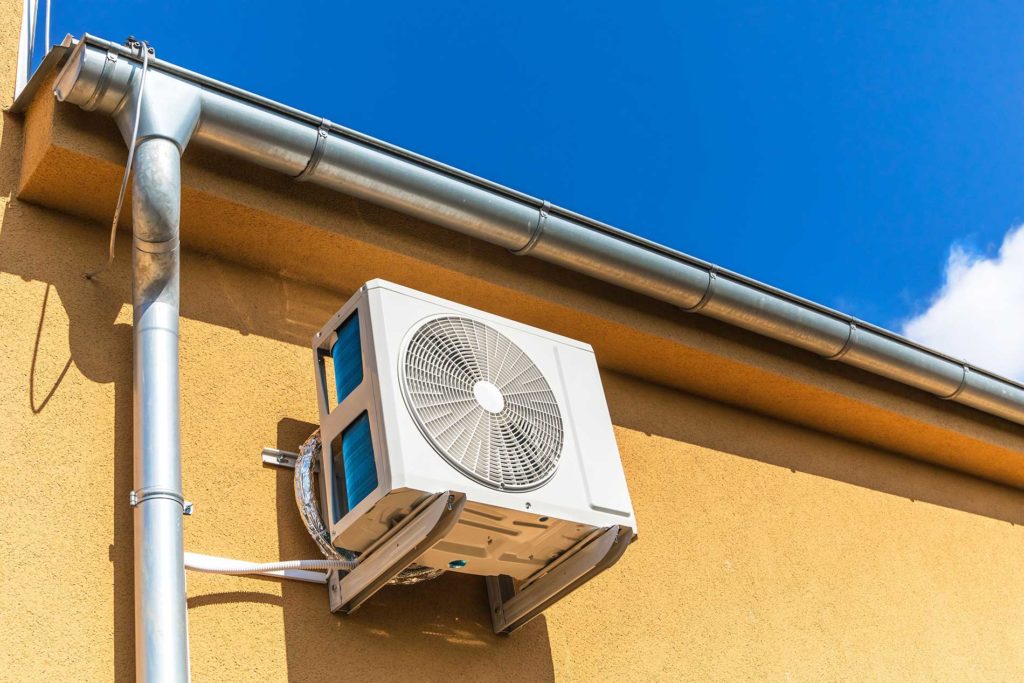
<point>279,458</point>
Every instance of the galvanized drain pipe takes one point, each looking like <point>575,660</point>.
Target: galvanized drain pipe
<point>312,149</point>
<point>161,626</point>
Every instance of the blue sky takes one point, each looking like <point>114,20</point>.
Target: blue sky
<point>836,150</point>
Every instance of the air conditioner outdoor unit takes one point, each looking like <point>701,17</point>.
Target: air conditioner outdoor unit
<point>465,442</point>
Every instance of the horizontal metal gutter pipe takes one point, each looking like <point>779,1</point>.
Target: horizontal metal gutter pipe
<point>99,74</point>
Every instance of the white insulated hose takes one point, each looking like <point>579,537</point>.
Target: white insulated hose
<point>303,570</point>
<point>223,565</point>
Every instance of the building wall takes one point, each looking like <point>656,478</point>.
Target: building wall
<point>767,550</point>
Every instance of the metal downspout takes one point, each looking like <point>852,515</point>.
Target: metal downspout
<point>161,626</point>
<point>167,116</point>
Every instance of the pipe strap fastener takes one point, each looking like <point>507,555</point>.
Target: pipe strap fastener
<point>322,134</point>
<point>138,497</point>
<point>536,230</point>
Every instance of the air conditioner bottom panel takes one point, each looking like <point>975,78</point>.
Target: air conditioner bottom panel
<point>487,540</point>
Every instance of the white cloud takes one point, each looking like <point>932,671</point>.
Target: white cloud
<point>978,314</point>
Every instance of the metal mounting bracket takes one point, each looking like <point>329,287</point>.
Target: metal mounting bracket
<point>513,606</point>
<point>415,535</point>
<point>273,456</point>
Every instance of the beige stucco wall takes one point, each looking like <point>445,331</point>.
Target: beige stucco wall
<point>768,550</point>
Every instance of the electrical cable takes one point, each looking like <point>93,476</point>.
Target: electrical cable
<point>145,49</point>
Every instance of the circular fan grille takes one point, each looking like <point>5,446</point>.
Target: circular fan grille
<point>482,403</point>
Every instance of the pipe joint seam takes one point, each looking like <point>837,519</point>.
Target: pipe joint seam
<point>140,496</point>
<point>322,134</point>
<point>709,293</point>
<point>850,337</point>
<point>165,108</point>
<point>963,385</point>
<point>536,231</point>
<point>104,81</point>
<point>172,138</point>
<point>147,247</point>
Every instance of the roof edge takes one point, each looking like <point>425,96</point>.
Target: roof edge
<point>316,150</point>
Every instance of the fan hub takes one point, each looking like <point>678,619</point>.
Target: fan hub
<point>489,396</point>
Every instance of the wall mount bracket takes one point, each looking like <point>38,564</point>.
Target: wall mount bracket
<point>512,603</point>
<point>278,458</point>
<point>515,603</point>
<point>416,534</point>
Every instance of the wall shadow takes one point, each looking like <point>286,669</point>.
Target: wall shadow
<point>100,348</point>
<point>232,597</point>
<point>35,403</point>
<point>44,246</point>
<point>672,414</point>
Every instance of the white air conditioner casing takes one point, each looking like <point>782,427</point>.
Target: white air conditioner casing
<point>562,482</point>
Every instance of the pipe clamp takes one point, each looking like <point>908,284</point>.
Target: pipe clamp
<point>959,389</point>
<point>850,337</point>
<point>140,496</point>
<point>322,133</point>
<point>536,231</point>
<point>708,293</point>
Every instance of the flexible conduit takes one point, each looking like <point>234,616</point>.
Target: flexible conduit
<point>315,150</point>
<point>309,510</point>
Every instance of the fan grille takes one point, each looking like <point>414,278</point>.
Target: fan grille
<point>482,403</point>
